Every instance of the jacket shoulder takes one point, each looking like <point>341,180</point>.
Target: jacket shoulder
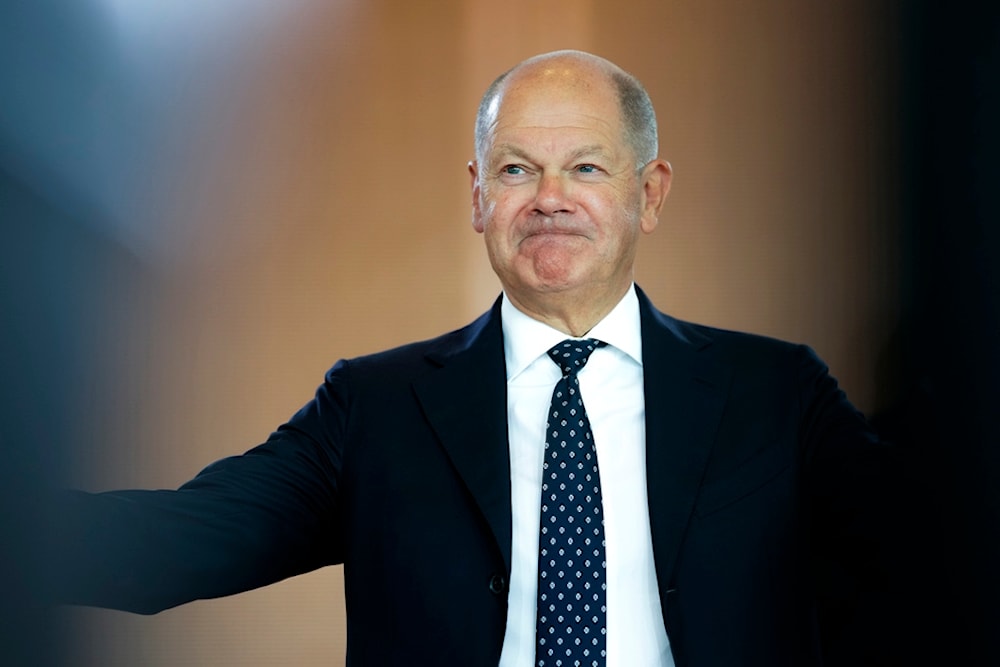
<point>738,348</point>
<point>412,359</point>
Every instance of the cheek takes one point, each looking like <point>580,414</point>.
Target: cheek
<point>621,211</point>
<point>501,213</point>
<point>492,207</point>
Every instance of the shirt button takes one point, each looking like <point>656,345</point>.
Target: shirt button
<point>497,584</point>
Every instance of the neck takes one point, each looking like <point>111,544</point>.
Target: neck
<point>574,313</point>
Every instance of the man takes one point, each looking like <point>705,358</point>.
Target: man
<point>730,470</point>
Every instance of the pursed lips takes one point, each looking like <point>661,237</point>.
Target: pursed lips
<point>556,236</point>
<point>552,230</point>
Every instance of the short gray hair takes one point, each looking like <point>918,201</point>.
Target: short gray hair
<point>638,115</point>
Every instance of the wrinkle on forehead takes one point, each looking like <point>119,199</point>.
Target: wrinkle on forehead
<point>538,122</point>
<point>568,104</point>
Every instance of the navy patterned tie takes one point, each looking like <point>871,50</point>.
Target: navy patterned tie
<point>571,622</point>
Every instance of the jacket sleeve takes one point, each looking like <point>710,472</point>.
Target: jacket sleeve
<point>850,482</point>
<point>243,522</point>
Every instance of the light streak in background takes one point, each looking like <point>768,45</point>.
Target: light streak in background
<point>116,108</point>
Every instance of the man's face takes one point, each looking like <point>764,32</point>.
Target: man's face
<point>558,195</point>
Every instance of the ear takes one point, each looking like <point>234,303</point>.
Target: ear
<point>655,181</point>
<point>477,210</point>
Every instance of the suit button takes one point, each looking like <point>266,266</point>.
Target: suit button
<point>497,584</point>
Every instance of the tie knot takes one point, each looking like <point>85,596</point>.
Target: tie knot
<point>572,355</point>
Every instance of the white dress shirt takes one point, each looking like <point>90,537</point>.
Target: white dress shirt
<point>612,390</point>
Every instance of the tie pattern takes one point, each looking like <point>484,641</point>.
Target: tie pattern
<point>571,619</point>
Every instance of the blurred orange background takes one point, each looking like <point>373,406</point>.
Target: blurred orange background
<point>282,186</point>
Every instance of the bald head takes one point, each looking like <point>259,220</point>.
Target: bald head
<point>637,118</point>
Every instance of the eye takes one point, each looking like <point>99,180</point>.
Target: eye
<point>587,169</point>
<point>512,170</point>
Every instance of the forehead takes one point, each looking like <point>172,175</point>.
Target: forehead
<point>559,103</point>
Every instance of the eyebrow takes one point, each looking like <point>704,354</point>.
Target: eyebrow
<point>590,149</point>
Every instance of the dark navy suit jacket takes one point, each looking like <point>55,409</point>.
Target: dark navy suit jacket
<point>759,477</point>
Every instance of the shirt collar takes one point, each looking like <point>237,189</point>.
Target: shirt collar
<point>525,339</point>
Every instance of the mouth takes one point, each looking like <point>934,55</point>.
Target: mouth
<point>552,236</point>
<point>554,231</point>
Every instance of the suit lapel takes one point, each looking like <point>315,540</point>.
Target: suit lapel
<point>685,390</point>
<point>465,401</point>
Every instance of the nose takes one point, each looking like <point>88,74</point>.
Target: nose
<point>553,195</point>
